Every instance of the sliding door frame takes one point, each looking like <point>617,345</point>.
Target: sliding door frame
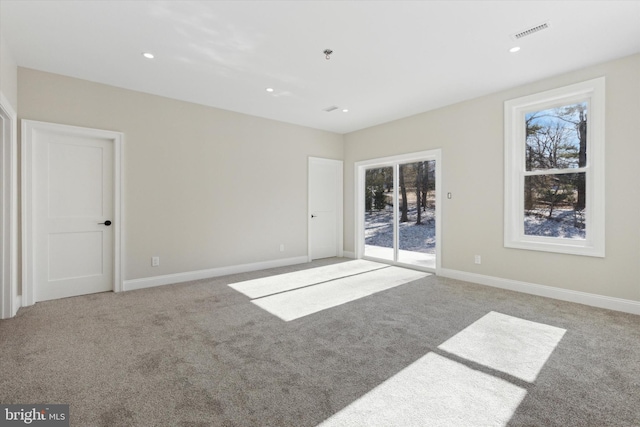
<point>395,162</point>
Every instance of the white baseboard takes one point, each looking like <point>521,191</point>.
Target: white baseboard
<point>168,279</point>
<point>601,301</point>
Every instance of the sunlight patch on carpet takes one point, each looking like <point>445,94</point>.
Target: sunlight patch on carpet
<point>439,391</point>
<point>258,288</point>
<point>312,299</point>
<point>434,391</point>
<point>507,344</point>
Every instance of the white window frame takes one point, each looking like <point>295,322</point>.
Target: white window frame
<point>592,91</point>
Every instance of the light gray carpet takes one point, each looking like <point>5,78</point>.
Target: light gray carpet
<point>201,354</point>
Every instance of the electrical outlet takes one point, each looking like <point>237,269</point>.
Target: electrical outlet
<point>155,261</point>
<point>281,247</point>
<point>478,259</point>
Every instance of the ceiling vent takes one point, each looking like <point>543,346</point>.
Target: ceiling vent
<point>330,109</point>
<point>532,30</point>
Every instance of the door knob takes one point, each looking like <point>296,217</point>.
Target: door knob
<point>107,223</point>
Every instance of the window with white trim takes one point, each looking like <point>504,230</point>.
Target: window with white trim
<point>554,170</point>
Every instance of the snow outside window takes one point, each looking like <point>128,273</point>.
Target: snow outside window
<point>554,170</point>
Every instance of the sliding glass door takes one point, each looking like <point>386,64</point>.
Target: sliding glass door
<point>379,213</point>
<point>399,209</point>
<point>417,212</point>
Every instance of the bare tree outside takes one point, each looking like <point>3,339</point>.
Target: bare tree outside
<point>555,184</point>
<point>403,194</point>
<point>415,208</point>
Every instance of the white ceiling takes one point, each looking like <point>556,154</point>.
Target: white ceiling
<point>391,59</point>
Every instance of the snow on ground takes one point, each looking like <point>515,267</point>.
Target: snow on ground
<point>378,231</point>
<point>422,238</point>
<point>561,224</point>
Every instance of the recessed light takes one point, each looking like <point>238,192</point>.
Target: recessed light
<point>148,55</point>
<point>269,89</point>
<point>345,110</point>
<point>514,49</point>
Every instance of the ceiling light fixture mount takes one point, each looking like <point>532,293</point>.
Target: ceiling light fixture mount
<point>327,54</point>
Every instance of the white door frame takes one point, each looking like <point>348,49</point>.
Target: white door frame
<point>360,168</point>
<point>339,205</point>
<point>8,211</point>
<point>29,127</point>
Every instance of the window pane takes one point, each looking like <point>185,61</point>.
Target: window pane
<point>378,215</point>
<point>556,138</point>
<point>554,205</point>
<point>416,206</point>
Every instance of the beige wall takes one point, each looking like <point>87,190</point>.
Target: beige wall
<point>204,187</point>
<point>471,137</point>
<point>8,75</point>
<point>207,188</point>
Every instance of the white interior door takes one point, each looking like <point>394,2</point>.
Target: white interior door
<point>72,212</point>
<point>325,208</point>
